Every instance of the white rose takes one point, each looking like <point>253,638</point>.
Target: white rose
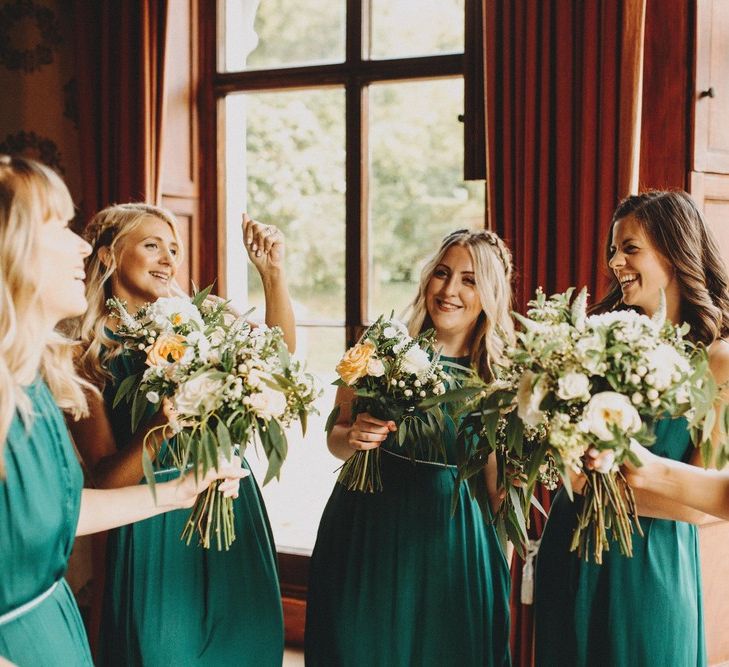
<point>199,395</point>
<point>608,408</point>
<point>573,386</point>
<point>268,403</point>
<point>171,311</point>
<point>529,397</point>
<point>663,362</point>
<point>196,339</point>
<point>416,360</point>
<point>589,350</point>
<point>375,368</point>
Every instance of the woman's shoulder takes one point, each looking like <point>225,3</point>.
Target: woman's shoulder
<point>719,360</point>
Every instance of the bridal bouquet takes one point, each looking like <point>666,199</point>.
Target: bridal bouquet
<point>582,385</point>
<point>394,377</point>
<point>229,382</point>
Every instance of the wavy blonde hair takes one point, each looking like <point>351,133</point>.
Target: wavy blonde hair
<point>30,196</point>
<point>108,229</point>
<point>493,273</point>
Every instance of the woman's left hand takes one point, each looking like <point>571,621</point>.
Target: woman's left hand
<point>265,245</point>
<point>230,472</point>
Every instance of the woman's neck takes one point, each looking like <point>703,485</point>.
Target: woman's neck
<point>454,344</point>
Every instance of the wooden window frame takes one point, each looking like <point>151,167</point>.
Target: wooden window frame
<point>355,75</point>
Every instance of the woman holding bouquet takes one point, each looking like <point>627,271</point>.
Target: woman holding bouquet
<point>165,602</point>
<point>645,609</point>
<point>703,490</point>
<point>42,503</point>
<point>396,578</point>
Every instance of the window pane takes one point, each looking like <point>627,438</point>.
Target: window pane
<point>285,166</point>
<point>281,33</point>
<point>406,28</point>
<point>417,193</point>
<point>295,503</point>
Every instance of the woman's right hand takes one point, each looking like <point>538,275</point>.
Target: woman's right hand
<point>368,432</point>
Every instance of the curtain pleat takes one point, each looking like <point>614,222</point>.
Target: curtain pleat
<point>562,85</point>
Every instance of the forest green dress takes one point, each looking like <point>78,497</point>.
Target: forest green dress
<point>39,508</point>
<point>397,579</point>
<point>167,604</point>
<point>644,610</point>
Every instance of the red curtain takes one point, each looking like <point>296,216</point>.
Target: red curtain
<point>562,81</point>
<point>120,55</point>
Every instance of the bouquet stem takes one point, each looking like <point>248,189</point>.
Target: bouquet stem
<point>609,506</point>
<point>361,472</point>
<point>211,513</point>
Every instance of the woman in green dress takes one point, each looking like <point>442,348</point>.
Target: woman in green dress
<point>166,602</point>
<point>644,610</point>
<point>396,578</point>
<point>42,504</point>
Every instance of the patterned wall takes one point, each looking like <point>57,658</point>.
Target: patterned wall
<point>38,118</point>
<point>38,113</point>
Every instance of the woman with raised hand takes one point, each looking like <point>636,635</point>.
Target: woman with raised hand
<point>166,602</point>
<point>42,503</point>
<point>396,578</point>
<point>645,609</point>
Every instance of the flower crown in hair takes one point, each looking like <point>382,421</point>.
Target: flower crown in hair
<point>492,239</point>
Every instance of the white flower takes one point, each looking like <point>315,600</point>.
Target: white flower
<point>664,361</point>
<point>152,397</point>
<point>608,408</point>
<point>168,312</point>
<point>268,403</point>
<point>682,395</point>
<point>589,351</point>
<point>395,329</point>
<point>529,397</point>
<point>652,395</point>
<point>408,392</point>
<point>573,386</point>
<point>416,360</point>
<point>375,367</point>
<point>196,339</point>
<point>636,398</point>
<point>199,395</point>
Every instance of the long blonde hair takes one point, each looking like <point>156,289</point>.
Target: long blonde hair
<point>108,229</point>
<point>492,271</point>
<point>30,195</point>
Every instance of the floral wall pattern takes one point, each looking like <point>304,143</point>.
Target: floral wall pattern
<point>39,119</point>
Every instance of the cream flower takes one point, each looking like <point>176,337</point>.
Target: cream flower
<point>199,395</point>
<point>573,386</point>
<point>529,397</point>
<point>415,360</point>
<point>268,403</point>
<point>610,409</point>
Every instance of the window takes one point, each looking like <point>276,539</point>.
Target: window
<point>338,122</point>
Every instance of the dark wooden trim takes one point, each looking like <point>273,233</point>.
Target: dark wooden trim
<point>474,99</point>
<point>364,71</point>
<point>206,245</point>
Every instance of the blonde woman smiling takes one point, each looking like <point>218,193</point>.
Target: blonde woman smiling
<point>42,504</point>
<point>165,602</point>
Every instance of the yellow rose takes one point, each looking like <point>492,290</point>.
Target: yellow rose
<point>353,365</point>
<point>167,349</point>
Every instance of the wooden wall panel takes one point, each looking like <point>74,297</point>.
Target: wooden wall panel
<point>667,82</point>
<point>715,567</point>
<point>179,141</point>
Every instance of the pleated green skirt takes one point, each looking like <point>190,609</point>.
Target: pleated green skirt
<point>397,579</point>
<point>170,604</point>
